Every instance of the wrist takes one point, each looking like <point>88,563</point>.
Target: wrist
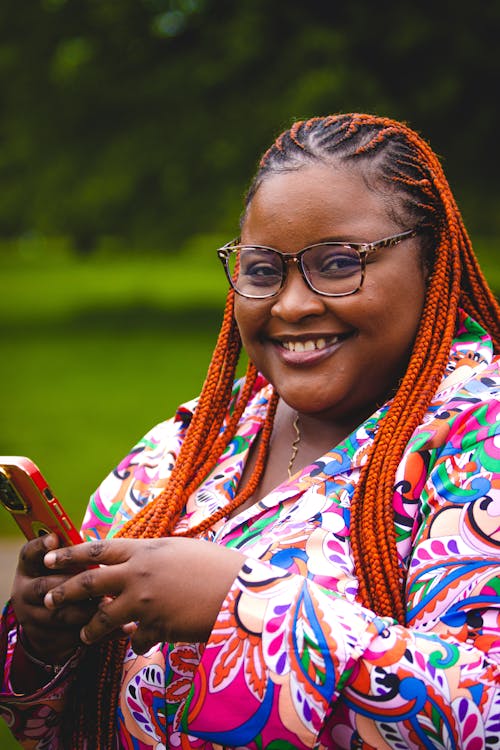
<point>50,668</point>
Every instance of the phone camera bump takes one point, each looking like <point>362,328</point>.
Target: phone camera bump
<point>9,497</point>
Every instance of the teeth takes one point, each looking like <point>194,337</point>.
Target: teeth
<point>307,346</point>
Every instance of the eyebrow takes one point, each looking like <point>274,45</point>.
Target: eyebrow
<point>341,240</point>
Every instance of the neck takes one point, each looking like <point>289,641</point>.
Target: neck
<point>314,430</point>
<point>304,437</point>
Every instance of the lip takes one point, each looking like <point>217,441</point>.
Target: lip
<point>332,342</point>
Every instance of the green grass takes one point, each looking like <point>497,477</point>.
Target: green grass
<point>90,362</point>
<point>7,742</point>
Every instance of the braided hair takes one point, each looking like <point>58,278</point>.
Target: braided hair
<point>395,159</point>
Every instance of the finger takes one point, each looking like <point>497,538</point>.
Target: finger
<point>92,583</point>
<point>60,620</point>
<point>53,633</point>
<point>111,615</point>
<point>100,552</point>
<point>146,636</point>
<point>73,616</point>
<point>31,555</point>
<point>129,628</point>
<point>35,589</point>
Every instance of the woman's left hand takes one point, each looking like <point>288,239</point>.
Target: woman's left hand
<point>168,589</point>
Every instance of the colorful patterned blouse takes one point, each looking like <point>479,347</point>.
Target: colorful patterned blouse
<point>294,661</point>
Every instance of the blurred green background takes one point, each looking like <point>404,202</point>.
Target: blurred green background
<point>129,130</point>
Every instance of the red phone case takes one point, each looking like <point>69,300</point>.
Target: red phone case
<point>26,495</point>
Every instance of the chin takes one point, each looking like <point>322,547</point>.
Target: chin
<point>310,406</point>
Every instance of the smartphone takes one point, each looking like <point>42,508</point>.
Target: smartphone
<point>27,496</point>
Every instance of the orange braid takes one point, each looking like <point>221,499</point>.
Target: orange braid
<point>412,169</point>
<point>409,166</point>
<point>372,524</point>
<point>204,443</point>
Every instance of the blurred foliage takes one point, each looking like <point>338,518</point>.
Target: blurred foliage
<point>142,120</point>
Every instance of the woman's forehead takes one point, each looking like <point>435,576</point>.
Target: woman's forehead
<point>318,200</point>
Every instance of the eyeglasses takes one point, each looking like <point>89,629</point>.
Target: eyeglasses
<point>334,269</point>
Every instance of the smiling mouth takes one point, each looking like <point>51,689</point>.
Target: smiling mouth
<point>310,345</point>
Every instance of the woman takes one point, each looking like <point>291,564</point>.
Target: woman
<point>342,498</point>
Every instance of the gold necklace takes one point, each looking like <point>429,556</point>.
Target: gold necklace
<point>295,445</point>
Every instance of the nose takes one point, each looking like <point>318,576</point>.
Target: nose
<point>296,300</point>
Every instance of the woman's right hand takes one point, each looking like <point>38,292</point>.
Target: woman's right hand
<point>51,635</point>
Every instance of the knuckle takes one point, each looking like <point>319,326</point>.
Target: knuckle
<point>103,617</point>
<point>57,596</point>
<point>88,581</point>
<point>40,587</point>
<point>28,552</point>
<point>65,555</point>
<point>24,552</point>
<point>97,549</point>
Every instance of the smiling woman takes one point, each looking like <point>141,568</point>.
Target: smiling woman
<point>340,587</point>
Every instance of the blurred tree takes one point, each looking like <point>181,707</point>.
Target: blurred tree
<point>143,119</point>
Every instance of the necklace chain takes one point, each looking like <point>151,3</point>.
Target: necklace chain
<point>295,445</point>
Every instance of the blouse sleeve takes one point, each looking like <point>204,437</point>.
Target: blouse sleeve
<point>34,720</point>
<point>137,479</point>
<point>291,663</point>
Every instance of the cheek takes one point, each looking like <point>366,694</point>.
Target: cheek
<point>408,297</point>
<point>392,312</point>
<point>248,319</point>
<point>400,288</point>
<point>239,314</point>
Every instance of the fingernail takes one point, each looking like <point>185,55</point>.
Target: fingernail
<point>129,627</point>
<point>48,600</point>
<point>83,637</point>
<point>50,541</point>
<point>49,559</point>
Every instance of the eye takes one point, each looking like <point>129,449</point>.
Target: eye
<point>338,261</point>
<point>259,266</point>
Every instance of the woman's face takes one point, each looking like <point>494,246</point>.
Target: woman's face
<point>334,357</point>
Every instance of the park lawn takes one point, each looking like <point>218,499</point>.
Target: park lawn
<point>94,354</point>
<point>80,399</point>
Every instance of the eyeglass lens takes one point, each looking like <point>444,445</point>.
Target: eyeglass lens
<point>329,268</point>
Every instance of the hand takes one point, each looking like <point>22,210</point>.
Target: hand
<point>52,634</point>
<point>156,590</point>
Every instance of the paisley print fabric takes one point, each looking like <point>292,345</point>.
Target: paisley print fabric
<point>294,660</point>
